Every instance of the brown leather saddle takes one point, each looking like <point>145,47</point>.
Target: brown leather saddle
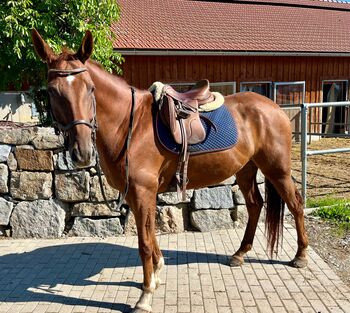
<point>180,113</point>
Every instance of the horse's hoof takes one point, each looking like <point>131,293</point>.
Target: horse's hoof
<point>298,262</point>
<point>236,261</point>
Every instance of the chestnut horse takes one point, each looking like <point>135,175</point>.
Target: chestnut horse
<point>81,90</point>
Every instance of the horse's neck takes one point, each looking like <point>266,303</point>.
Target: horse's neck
<point>113,102</point>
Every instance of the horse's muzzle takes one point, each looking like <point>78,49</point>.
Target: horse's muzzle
<point>82,157</point>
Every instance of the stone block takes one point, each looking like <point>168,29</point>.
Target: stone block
<point>216,198</point>
<point>229,181</point>
<point>18,136</point>
<point>260,178</point>
<point>38,219</point>
<point>86,209</point>
<point>172,197</point>
<point>4,175</point>
<point>6,208</point>
<point>46,139</point>
<point>238,197</point>
<point>171,219</point>
<point>86,227</point>
<point>31,185</point>
<point>34,160</point>
<point>72,187</point>
<point>208,220</point>
<point>12,162</point>
<point>64,162</point>
<point>262,190</point>
<point>130,224</point>
<point>4,152</point>
<point>96,193</point>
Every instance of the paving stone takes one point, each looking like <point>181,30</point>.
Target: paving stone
<point>34,160</point>
<point>40,185</point>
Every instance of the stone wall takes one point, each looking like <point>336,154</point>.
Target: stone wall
<point>42,195</point>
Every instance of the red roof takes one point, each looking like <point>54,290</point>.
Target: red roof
<point>298,26</point>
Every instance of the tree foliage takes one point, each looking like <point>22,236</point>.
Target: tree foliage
<point>61,23</point>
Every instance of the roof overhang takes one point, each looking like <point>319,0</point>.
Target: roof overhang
<point>228,53</point>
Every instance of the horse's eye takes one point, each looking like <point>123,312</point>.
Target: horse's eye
<point>92,89</point>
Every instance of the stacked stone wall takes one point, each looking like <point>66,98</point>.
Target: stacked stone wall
<point>42,195</point>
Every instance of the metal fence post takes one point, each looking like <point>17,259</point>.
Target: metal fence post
<point>304,112</point>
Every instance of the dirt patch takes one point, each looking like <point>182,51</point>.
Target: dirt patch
<point>327,175</point>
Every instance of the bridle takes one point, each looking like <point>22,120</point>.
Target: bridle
<point>64,129</point>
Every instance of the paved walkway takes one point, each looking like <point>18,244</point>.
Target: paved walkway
<point>104,275</point>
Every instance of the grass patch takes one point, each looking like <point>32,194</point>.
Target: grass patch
<point>335,210</point>
<point>322,202</point>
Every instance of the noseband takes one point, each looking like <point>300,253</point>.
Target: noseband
<point>64,129</point>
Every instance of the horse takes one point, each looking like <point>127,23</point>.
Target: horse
<point>90,104</point>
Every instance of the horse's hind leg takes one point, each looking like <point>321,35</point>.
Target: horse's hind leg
<point>291,196</point>
<point>246,179</point>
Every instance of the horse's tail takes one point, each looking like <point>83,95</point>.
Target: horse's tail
<point>274,217</point>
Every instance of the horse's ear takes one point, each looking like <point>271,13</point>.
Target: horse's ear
<point>41,47</point>
<point>86,47</point>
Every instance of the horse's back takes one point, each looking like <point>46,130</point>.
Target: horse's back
<point>260,112</point>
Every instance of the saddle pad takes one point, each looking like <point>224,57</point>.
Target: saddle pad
<point>225,135</point>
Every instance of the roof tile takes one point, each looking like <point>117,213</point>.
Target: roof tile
<point>251,25</point>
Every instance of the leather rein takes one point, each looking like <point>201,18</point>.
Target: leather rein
<point>64,129</point>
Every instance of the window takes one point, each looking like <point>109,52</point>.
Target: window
<point>262,88</point>
<point>291,93</point>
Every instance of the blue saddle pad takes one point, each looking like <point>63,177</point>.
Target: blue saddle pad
<point>225,135</point>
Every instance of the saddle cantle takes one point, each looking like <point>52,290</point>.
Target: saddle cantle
<point>180,113</point>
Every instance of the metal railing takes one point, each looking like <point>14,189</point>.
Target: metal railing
<point>304,133</point>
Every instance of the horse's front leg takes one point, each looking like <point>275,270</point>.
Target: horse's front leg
<point>143,205</point>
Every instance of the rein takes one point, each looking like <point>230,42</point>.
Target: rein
<point>64,129</point>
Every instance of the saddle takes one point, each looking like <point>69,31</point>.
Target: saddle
<point>180,113</point>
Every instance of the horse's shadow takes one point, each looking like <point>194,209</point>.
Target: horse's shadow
<point>35,275</point>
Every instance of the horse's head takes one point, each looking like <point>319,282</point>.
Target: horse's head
<point>72,98</point>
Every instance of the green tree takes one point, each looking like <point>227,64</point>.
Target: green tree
<point>61,23</point>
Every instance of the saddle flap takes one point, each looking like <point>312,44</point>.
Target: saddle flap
<point>172,111</point>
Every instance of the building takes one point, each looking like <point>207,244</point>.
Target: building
<point>292,51</point>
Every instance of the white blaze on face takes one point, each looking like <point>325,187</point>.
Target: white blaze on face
<point>70,79</point>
